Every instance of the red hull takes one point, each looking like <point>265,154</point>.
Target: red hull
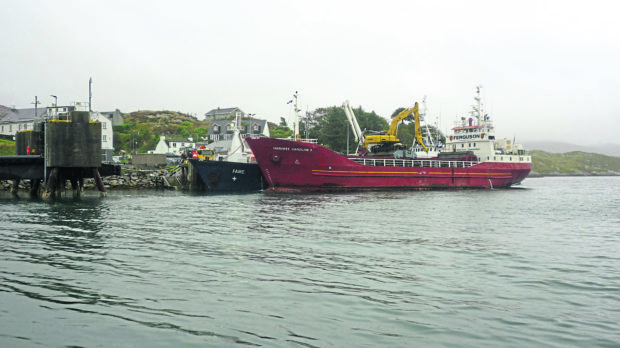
<point>291,165</point>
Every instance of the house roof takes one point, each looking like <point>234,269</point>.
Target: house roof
<point>178,141</point>
<point>19,115</point>
<point>223,111</point>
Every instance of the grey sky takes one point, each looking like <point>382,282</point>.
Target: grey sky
<point>549,69</point>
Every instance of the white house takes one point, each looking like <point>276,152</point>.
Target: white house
<point>14,120</point>
<point>175,146</point>
<point>107,135</point>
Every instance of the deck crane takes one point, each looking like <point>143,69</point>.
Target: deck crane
<point>357,132</point>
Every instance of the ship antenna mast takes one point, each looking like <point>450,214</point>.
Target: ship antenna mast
<point>423,117</point>
<point>296,134</point>
<point>478,107</point>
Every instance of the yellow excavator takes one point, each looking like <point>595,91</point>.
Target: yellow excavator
<point>386,140</point>
<point>418,129</point>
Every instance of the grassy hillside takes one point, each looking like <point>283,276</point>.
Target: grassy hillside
<point>7,147</point>
<point>142,129</point>
<point>574,163</point>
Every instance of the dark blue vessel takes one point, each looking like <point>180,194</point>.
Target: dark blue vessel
<point>226,176</point>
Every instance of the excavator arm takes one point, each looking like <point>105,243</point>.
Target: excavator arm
<point>401,116</point>
<point>390,135</point>
<point>418,130</point>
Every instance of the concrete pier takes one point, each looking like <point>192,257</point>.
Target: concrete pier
<point>56,151</point>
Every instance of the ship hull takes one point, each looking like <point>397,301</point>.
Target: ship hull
<point>224,176</point>
<point>296,166</point>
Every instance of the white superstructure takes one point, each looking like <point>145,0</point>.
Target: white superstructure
<point>476,134</point>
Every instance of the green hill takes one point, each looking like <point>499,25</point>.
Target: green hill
<point>142,129</point>
<point>573,163</point>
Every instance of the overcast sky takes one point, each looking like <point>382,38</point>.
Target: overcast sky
<point>550,70</point>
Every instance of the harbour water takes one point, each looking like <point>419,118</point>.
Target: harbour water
<point>537,265</point>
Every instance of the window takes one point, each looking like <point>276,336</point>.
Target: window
<point>103,125</point>
<point>104,138</point>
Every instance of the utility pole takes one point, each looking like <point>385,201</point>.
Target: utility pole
<point>36,110</point>
<point>90,94</point>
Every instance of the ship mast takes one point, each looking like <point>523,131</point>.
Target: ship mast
<point>296,134</point>
<point>423,118</point>
<point>477,109</point>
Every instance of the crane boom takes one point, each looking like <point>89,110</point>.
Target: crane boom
<point>357,132</point>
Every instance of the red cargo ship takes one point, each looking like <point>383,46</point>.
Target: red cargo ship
<point>472,158</point>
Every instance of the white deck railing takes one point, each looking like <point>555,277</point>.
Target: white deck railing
<point>389,162</point>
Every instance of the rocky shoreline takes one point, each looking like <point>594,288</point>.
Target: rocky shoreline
<point>130,179</point>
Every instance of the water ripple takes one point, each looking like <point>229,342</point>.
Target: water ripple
<point>531,267</point>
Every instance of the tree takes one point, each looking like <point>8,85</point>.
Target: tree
<point>334,132</point>
<point>282,130</point>
<point>283,123</point>
<point>330,126</point>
